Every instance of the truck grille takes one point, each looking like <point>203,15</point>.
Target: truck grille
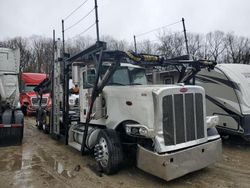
<point>35,101</point>
<point>183,118</point>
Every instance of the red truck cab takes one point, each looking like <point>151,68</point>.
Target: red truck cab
<point>28,98</point>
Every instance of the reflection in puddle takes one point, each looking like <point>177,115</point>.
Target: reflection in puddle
<point>59,168</point>
<point>33,165</point>
<point>27,162</point>
<point>56,165</point>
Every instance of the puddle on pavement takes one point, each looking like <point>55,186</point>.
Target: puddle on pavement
<point>11,162</point>
<point>33,159</point>
<point>59,168</point>
<point>56,165</point>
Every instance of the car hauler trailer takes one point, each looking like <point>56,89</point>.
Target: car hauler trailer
<point>228,96</point>
<point>119,112</point>
<point>11,117</point>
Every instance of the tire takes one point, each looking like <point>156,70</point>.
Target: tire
<point>212,131</point>
<point>225,137</point>
<point>246,138</point>
<point>24,110</point>
<point>39,119</point>
<point>108,151</point>
<point>7,117</point>
<point>45,124</point>
<point>18,117</point>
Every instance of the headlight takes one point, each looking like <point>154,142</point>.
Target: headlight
<point>143,131</point>
<point>71,101</point>
<point>212,121</point>
<point>77,101</point>
<point>136,130</point>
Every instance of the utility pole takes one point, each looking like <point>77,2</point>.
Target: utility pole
<point>185,35</point>
<point>135,44</point>
<point>96,22</point>
<point>63,45</point>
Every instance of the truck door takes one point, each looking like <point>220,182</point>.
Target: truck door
<point>86,83</point>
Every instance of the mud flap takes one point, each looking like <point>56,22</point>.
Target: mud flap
<point>11,131</point>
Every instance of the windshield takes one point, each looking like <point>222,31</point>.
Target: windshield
<point>120,77</point>
<point>128,76</point>
<point>29,88</point>
<point>138,76</point>
<point>125,76</point>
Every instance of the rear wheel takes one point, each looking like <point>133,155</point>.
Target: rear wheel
<point>24,110</point>
<point>225,136</point>
<point>45,123</point>
<point>108,151</point>
<point>39,119</point>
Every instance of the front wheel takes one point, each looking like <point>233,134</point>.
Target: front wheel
<point>108,151</point>
<point>24,110</point>
<point>45,123</point>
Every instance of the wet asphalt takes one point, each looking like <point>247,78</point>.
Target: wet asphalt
<point>43,162</point>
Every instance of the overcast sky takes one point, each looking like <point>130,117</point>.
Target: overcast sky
<point>122,18</point>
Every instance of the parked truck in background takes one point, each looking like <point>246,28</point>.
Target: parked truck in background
<point>28,98</point>
<point>11,116</point>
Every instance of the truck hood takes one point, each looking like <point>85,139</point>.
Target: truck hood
<point>33,78</point>
<point>143,99</point>
<point>157,89</point>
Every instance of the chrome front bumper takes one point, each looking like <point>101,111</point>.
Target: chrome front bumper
<point>169,166</point>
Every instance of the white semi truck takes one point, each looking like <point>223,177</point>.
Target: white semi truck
<point>120,113</point>
<point>11,117</point>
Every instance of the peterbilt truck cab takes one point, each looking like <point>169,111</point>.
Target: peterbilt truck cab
<point>167,124</point>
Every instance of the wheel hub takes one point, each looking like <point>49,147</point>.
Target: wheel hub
<point>101,152</point>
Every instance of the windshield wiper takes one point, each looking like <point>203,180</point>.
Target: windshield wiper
<point>136,84</point>
<point>116,83</point>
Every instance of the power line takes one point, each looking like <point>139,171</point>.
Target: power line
<point>84,31</point>
<point>87,29</point>
<point>80,20</point>
<point>75,9</point>
<point>139,35</point>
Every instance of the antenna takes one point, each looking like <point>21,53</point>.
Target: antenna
<point>97,22</point>
<point>185,35</point>
<point>135,44</point>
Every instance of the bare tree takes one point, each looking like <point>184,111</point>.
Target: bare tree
<point>215,45</point>
<point>113,44</point>
<point>77,44</point>
<point>147,47</point>
<point>171,45</point>
<point>195,44</point>
<point>237,49</point>
<point>37,51</point>
<point>43,52</point>
<point>26,56</point>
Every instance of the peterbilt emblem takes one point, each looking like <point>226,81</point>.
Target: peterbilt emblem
<point>184,90</point>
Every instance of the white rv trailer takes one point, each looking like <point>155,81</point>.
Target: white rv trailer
<point>228,96</point>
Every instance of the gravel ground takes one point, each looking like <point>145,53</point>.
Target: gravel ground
<point>43,162</point>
